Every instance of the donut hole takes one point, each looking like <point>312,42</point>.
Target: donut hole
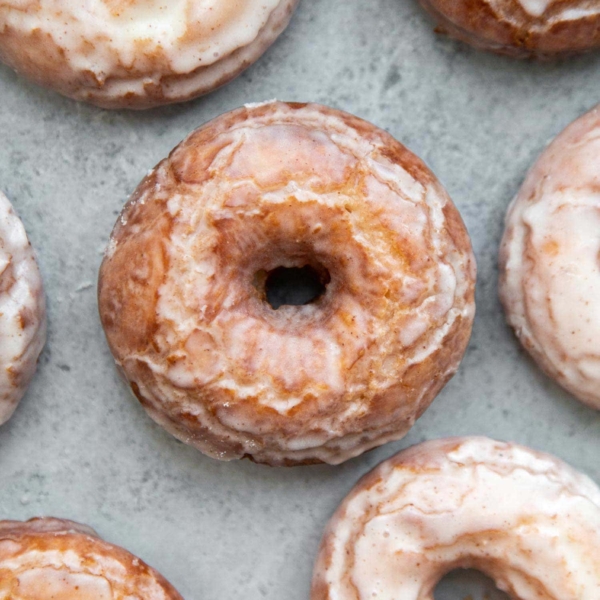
<point>468,583</point>
<point>293,286</point>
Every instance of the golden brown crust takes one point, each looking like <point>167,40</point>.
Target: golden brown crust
<point>89,54</point>
<point>288,185</point>
<point>521,28</point>
<point>48,558</point>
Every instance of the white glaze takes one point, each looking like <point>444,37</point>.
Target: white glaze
<point>539,9</point>
<point>550,260</point>
<point>120,53</point>
<point>526,519</point>
<point>100,35</point>
<point>535,8</point>
<point>22,310</point>
<point>289,185</point>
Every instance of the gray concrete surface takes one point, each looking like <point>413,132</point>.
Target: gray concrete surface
<point>80,447</point>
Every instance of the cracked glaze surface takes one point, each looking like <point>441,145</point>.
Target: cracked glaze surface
<point>45,559</point>
<point>274,185</point>
<point>526,519</point>
<point>521,28</point>
<point>22,311</point>
<point>139,53</point>
<point>550,260</point>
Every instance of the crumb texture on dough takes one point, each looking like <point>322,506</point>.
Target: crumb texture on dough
<point>526,519</point>
<point>22,310</point>
<point>521,28</point>
<point>139,53</point>
<point>275,185</point>
<point>47,559</point>
<point>550,260</point>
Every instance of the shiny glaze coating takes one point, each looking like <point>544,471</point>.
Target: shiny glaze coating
<point>521,28</point>
<point>22,310</point>
<point>47,559</point>
<point>550,260</point>
<point>526,519</point>
<point>182,296</point>
<point>139,53</point>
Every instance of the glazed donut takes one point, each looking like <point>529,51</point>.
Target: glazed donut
<point>521,28</point>
<point>47,559</point>
<point>139,53</point>
<point>526,519</point>
<point>183,286</point>
<point>550,260</point>
<point>22,311</point>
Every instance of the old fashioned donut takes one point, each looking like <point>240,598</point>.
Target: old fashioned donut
<point>521,28</point>
<point>22,311</point>
<point>526,519</point>
<point>550,260</point>
<point>139,53</point>
<point>48,559</point>
<point>183,287</point>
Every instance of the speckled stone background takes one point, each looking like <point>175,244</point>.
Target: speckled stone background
<point>80,447</point>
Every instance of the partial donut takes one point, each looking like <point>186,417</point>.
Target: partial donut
<point>521,28</point>
<point>139,53</point>
<point>52,559</point>
<point>22,311</point>
<point>184,284</point>
<point>550,260</point>
<point>526,519</point>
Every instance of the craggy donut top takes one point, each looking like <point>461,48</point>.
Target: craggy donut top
<point>182,294</point>
<point>22,310</point>
<point>521,27</point>
<point>550,260</point>
<point>111,34</point>
<point>141,51</point>
<point>526,519</point>
<point>47,559</point>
